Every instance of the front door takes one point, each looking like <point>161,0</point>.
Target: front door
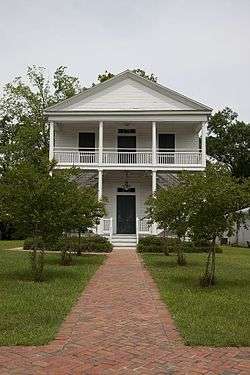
<point>126,147</point>
<point>126,223</point>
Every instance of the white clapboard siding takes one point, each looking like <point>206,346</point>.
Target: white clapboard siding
<point>128,95</point>
<point>66,135</point>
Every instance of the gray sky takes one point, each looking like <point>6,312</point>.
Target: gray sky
<point>200,48</point>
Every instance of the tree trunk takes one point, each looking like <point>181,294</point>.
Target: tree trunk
<point>181,261</point>
<point>208,278</point>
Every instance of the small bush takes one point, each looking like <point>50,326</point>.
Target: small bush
<point>33,243</point>
<point>150,244</point>
<point>167,245</point>
<point>86,243</point>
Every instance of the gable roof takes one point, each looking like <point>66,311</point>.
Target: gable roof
<point>128,91</point>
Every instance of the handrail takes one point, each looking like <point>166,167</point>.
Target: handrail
<point>132,157</point>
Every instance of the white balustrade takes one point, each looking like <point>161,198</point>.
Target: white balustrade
<point>143,226</point>
<point>107,227</point>
<point>140,157</point>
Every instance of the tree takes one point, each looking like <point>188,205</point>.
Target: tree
<point>214,198</point>
<point>24,135</point>
<point>107,75</point>
<point>143,74</point>
<point>168,208</point>
<point>229,142</point>
<point>44,206</point>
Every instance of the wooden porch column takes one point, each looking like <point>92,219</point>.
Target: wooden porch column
<point>51,140</point>
<point>100,175</point>
<point>154,185</point>
<point>203,143</point>
<point>100,149</point>
<point>154,143</point>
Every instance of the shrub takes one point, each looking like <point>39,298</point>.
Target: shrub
<point>166,245</point>
<point>150,244</point>
<point>33,243</point>
<point>86,243</point>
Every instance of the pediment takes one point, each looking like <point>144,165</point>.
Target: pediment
<point>128,92</point>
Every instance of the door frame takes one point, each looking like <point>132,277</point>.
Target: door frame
<point>116,209</point>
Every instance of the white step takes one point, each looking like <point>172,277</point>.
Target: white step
<point>123,240</point>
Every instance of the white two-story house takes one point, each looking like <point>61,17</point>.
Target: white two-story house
<point>128,135</point>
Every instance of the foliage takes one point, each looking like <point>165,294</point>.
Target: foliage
<point>167,245</point>
<point>143,74</point>
<point>107,75</point>
<point>86,243</point>
<point>31,314</point>
<point>218,317</point>
<point>168,208</point>
<point>213,199</point>
<point>229,142</point>
<point>150,244</point>
<point>47,206</point>
<point>25,135</point>
<point>204,205</point>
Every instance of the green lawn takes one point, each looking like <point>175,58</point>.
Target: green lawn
<point>31,313</point>
<point>10,244</point>
<point>217,317</point>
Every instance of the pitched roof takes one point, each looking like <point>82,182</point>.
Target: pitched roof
<point>128,91</point>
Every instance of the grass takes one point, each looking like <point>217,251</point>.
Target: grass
<point>10,244</point>
<point>30,312</point>
<point>219,316</point>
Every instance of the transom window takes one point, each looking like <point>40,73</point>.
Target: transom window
<point>126,131</point>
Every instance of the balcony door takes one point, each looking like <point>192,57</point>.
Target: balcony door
<point>166,147</point>
<point>86,146</point>
<point>126,221</point>
<point>126,145</point>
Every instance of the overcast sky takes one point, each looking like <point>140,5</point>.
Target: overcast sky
<point>200,48</point>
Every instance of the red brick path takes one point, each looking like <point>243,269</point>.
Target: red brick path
<point>120,326</point>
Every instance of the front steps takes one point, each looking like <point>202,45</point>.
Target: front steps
<point>124,240</point>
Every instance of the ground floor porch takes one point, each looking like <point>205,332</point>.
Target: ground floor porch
<point>125,193</point>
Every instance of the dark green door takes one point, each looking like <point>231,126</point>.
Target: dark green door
<point>126,214</point>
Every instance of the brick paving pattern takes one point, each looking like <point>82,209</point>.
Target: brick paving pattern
<point>120,326</point>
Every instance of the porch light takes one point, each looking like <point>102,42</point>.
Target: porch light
<point>126,185</point>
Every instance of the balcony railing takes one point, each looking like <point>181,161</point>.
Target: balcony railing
<point>140,157</point>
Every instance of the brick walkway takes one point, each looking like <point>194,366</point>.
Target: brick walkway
<point>120,326</point>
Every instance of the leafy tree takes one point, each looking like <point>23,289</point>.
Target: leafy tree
<point>44,206</point>
<point>168,208</point>
<point>25,135</point>
<point>213,199</point>
<point>143,74</point>
<point>229,142</point>
<point>107,75</point>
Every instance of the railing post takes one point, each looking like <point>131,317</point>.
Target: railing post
<point>100,148</point>
<point>154,143</point>
<point>203,144</point>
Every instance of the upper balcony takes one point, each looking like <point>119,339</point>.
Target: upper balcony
<point>125,158</point>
